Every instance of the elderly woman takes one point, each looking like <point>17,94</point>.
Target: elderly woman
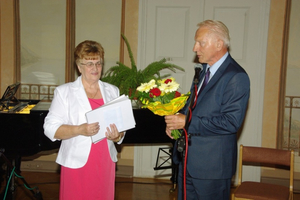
<point>87,169</point>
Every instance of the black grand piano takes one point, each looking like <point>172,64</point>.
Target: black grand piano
<point>22,134</point>
<point>21,130</point>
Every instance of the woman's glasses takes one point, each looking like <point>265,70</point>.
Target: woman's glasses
<point>91,64</point>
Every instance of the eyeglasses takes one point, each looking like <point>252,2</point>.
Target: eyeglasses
<point>91,64</point>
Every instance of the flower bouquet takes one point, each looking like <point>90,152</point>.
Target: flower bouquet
<point>162,98</point>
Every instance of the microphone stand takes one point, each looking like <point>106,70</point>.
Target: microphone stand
<point>182,142</point>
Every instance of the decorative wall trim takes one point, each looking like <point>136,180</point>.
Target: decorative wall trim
<point>37,92</point>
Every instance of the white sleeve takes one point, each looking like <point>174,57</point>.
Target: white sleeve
<point>57,115</point>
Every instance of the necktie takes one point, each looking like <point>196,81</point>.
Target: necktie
<point>206,78</point>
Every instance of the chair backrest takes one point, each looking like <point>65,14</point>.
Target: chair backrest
<point>266,156</point>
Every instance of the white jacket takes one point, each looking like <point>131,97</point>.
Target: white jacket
<point>69,105</point>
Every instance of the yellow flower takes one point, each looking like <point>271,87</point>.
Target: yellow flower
<point>171,86</point>
<point>146,87</point>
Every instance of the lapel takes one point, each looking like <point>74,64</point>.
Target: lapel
<point>107,93</point>
<point>79,93</point>
<point>215,78</point>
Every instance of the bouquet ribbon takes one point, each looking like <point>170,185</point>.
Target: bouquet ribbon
<point>168,109</point>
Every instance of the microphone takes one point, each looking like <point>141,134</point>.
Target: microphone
<point>181,146</point>
<point>198,69</point>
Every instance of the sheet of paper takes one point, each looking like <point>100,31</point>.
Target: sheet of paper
<point>118,112</point>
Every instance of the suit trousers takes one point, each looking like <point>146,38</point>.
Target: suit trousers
<point>203,189</point>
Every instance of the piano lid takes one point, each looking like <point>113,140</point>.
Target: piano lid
<point>8,96</point>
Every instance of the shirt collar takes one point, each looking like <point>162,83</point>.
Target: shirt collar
<point>216,66</point>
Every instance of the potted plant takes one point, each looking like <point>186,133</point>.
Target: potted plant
<point>127,79</point>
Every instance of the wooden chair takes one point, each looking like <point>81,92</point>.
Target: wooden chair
<point>260,156</point>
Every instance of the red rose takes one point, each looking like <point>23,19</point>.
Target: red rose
<point>155,92</point>
<point>177,94</point>
<point>168,81</point>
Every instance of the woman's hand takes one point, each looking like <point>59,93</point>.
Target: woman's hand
<point>89,129</point>
<point>69,131</point>
<point>113,134</point>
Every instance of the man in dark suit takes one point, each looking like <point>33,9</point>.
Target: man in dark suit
<point>215,119</point>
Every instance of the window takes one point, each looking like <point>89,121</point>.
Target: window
<point>290,139</point>
<point>43,39</point>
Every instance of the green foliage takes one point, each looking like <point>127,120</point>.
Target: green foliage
<point>166,98</point>
<point>127,79</point>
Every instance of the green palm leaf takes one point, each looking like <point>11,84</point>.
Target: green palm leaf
<point>128,79</point>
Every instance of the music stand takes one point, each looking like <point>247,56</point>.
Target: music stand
<point>9,95</point>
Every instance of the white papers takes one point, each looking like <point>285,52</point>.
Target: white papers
<point>118,112</point>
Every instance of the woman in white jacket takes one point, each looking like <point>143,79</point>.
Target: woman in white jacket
<point>87,169</point>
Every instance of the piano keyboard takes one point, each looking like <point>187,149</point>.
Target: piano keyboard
<point>26,109</point>
<point>23,108</point>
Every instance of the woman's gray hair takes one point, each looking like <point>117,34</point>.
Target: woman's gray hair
<point>218,28</point>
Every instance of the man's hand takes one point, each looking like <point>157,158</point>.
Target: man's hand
<point>173,122</point>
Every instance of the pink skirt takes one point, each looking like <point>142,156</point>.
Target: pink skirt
<point>95,180</point>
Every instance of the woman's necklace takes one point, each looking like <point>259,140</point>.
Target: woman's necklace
<point>94,94</point>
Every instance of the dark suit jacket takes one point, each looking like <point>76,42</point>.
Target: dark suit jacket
<point>218,115</point>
